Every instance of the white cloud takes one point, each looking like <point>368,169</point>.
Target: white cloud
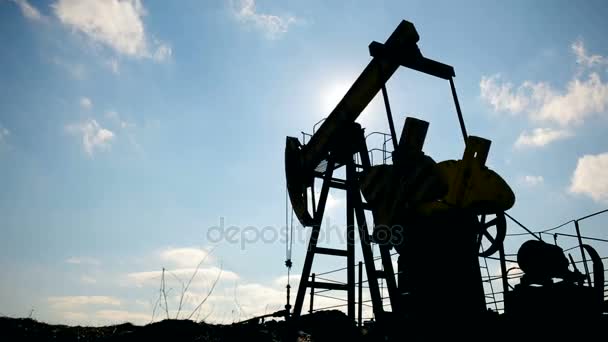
<point>230,300</point>
<point>28,10</point>
<point>583,58</point>
<point>255,298</point>
<point>71,302</point>
<point>533,180</point>
<point>591,177</point>
<point>103,317</point>
<point>204,276</point>
<point>86,103</point>
<point>501,95</point>
<point>540,137</point>
<point>185,257</point>
<point>273,26</point>
<point>94,137</point>
<point>583,97</point>
<point>114,23</point>
<point>83,261</point>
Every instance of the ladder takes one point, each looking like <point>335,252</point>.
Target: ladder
<point>355,220</point>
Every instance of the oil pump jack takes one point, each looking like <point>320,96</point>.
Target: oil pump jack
<point>427,211</point>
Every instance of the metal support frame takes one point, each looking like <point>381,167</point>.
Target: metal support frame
<point>389,115</point>
<point>360,294</point>
<point>350,243</point>
<point>356,221</point>
<point>458,111</point>
<point>314,236</point>
<point>504,276</point>
<point>312,295</point>
<point>580,245</point>
<point>354,197</point>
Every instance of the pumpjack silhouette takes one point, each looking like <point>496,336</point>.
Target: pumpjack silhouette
<point>431,213</point>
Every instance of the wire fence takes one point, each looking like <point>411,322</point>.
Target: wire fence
<point>493,280</point>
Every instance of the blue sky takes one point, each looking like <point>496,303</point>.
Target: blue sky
<point>128,129</point>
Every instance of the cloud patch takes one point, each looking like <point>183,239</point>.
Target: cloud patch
<point>590,177</point>
<point>540,137</point>
<point>583,97</point>
<point>71,302</point>
<point>116,24</point>
<point>93,136</point>
<point>533,180</point>
<point>86,103</point>
<point>273,26</point>
<point>584,59</point>
<point>28,11</point>
<point>104,317</point>
<point>185,257</point>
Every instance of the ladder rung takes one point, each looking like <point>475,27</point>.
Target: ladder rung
<point>380,274</point>
<point>338,185</point>
<point>334,182</point>
<point>327,286</point>
<point>331,251</point>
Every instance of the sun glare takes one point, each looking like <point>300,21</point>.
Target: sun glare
<point>331,94</point>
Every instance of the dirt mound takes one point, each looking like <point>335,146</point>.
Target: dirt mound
<point>319,327</point>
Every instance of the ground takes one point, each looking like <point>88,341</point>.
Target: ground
<point>321,326</point>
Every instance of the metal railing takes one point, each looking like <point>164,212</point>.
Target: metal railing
<point>553,231</point>
<point>385,154</point>
<point>494,295</point>
<point>383,151</point>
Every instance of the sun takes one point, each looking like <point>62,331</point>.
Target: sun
<point>331,94</point>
